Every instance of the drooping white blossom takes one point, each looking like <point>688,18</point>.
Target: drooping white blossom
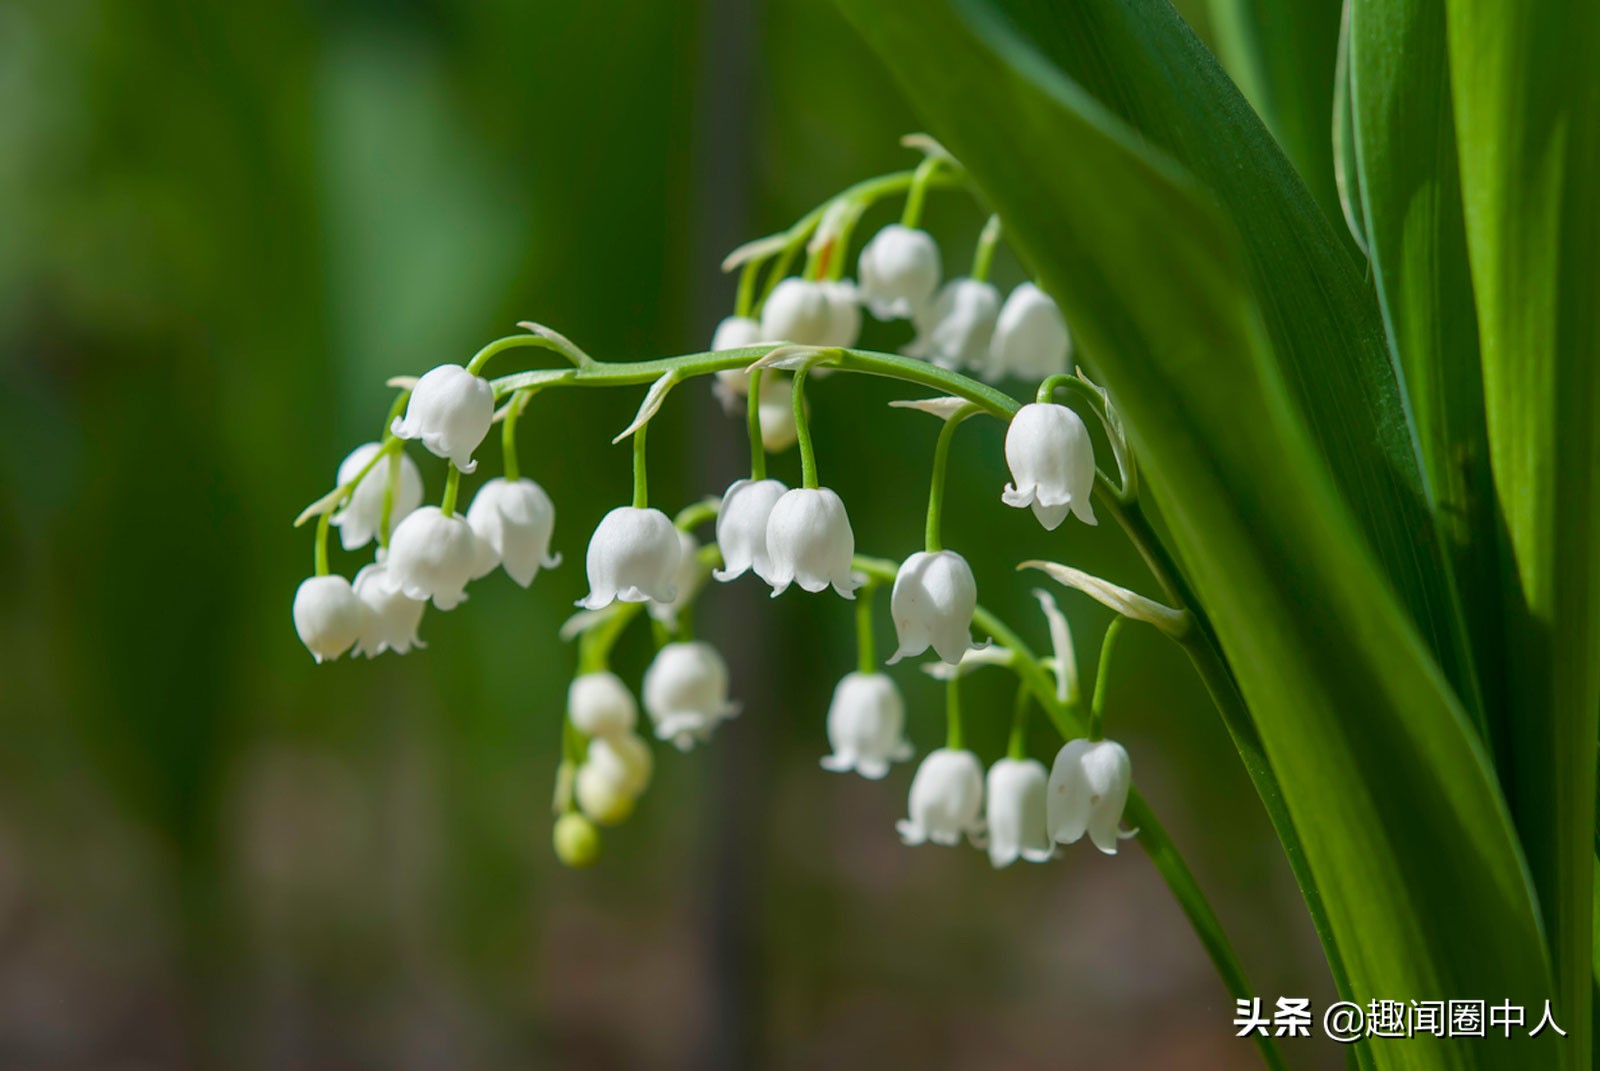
<point>625,758</point>
<point>802,311</point>
<point>1051,458</point>
<point>776,413</point>
<point>431,557</point>
<point>686,693</point>
<point>513,521</point>
<point>946,799</point>
<point>450,411</point>
<point>327,616</point>
<point>392,618</point>
<point>1016,812</point>
<point>686,582</point>
<point>742,527</point>
<point>361,517</point>
<point>899,271</point>
<point>602,795</point>
<point>633,556</point>
<point>954,330</point>
<point>844,314</point>
<point>1088,790</point>
<point>932,605</point>
<point>600,705</point>
<point>810,542</point>
<point>1030,337</point>
<point>866,726</point>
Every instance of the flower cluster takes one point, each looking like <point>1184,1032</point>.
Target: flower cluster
<point>641,562</point>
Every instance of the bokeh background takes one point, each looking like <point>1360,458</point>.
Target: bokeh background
<point>222,226</point>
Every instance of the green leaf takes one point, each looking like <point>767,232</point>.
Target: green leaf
<point>1138,58</point>
<point>1398,815</point>
<point>1282,56</point>
<point>1346,172</point>
<point>1526,92</point>
<point>1404,137</point>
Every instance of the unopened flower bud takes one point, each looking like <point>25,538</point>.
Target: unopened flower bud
<point>450,411</point>
<point>626,758</point>
<point>599,705</point>
<point>327,615</point>
<point>776,413</point>
<point>1030,337</point>
<point>576,841</point>
<point>602,795</point>
<point>899,271</point>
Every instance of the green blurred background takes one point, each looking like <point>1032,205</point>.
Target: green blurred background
<point>221,228</point>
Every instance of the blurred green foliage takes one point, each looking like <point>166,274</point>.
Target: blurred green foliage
<point>225,226</point>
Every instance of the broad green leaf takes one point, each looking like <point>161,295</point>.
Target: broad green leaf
<point>1138,58</point>
<point>1526,91</point>
<point>1398,815</point>
<point>1282,54</point>
<point>1404,137</point>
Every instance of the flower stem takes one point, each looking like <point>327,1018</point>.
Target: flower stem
<point>752,419</point>
<point>641,482</point>
<point>918,193</point>
<point>744,299</point>
<point>391,484</point>
<point>1097,706</point>
<point>941,462</point>
<point>452,487</point>
<point>983,255</point>
<point>952,709</point>
<point>320,555</point>
<point>508,434</point>
<point>1017,743</point>
<point>802,430</point>
<point>866,642</point>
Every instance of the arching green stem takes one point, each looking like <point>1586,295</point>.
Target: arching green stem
<point>320,554</point>
<point>1097,706</point>
<point>752,419</point>
<point>802,430</point>
<point>744,298</point>
<point>452,487</point>
<point>941,462</point>
<point>866,641</point>
<point>918,193</point>
<point>641,479</point>
<point>953,737</point>
<point>1017,742</point>
<point>391,485</point>
<point>508,433</point>
<point>983,253</point>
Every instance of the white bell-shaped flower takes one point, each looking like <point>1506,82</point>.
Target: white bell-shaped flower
<point>946,799</point>
<point>625,758</point>
<point>392,618</point>
<point>899,271</point>
<point>802,311</point>
<point>602,794</point>
<point>1051,458</point>
<point>358,522</point>
<point>1016,811</point>
<point>844,315</point>
<point>686,581</point>
<point>431,557</point>
<point>810,543</point>
<point>776,413</point>
<point>932,604</point>
<point>450,411</point>
<point>513,520</point>
<point>633,556</point>
<point>866,726</point>
<point>733,333</point>
<point>742,527</point>
<point>1030,337</point>
<point>328,616</point>
<point>954,330</point>
<point>686,693</point>
<point>600,705</point>
<point>1088,790</point>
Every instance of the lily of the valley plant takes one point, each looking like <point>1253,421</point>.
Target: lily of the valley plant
<point>1343,349</point>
